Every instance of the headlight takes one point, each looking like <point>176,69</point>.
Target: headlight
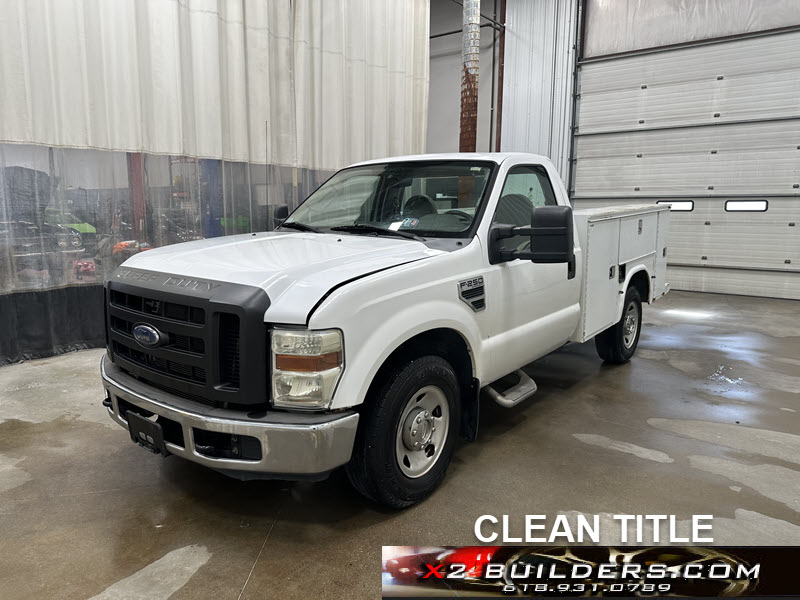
<point>306,366</point>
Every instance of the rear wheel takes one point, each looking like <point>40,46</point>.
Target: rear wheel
<point>407,434</point>
<point>617,344</point>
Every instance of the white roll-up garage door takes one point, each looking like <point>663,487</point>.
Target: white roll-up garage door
<point>716,127</point>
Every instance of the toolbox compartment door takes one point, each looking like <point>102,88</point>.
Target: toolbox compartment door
<point>600,285</point>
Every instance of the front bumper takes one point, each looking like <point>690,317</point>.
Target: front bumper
<point>292,445</point>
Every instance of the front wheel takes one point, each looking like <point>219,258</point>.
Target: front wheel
<point>407,434</point>
<point>617,344</point>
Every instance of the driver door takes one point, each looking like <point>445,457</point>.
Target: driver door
<point>535,305</point>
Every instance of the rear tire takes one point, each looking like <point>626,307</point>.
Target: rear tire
<point>618,343</point>
<point>407,433</point>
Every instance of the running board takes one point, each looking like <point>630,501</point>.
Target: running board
<point>524,389</point>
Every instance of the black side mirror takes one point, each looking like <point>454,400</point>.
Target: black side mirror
<point>551,238</point>
<point>280,213</point>
<point>551,234</point>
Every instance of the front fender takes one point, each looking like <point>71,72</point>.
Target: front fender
<point>368,347</point>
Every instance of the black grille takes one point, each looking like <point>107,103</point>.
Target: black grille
<point>229,350</point>
<point>212,347</point>
<point>184,343</point>
<point>158,308</point>
<point>181,357</point>
<point>188,343</point>
<point>161,365</point>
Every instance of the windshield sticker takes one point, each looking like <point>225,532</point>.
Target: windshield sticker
<point>410,223</point>
<point>396,225</point>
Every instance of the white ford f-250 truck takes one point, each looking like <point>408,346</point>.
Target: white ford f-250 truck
<point>363,330</point>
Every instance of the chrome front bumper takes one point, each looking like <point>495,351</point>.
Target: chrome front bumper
<point>292,444</point>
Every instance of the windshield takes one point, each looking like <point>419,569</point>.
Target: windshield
<point>435,199</point>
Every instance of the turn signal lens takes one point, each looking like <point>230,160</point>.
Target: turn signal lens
<point>308,364</point>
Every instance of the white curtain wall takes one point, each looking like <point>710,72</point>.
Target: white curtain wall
<point>304,83</point>
<point>131,124</point>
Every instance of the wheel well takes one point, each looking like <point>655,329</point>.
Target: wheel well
<point>641,282</point>
<point>448,344</point>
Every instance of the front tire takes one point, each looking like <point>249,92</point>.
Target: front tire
<point>407,433</point>
<point>618,343</point>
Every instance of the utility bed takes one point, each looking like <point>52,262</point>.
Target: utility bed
<point>611,238</point>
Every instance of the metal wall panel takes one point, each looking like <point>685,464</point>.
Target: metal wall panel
<point>537,87</point>
<point>628,25</point>
<point>739,282</point>
<point>747,158</point>
<point>710,236</point>
<point>705,123</point>
<point>760,79</point>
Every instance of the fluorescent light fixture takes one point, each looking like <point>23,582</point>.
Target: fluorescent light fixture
<point>746,206</point>
<point>690,314</point>
<point>678,205</point>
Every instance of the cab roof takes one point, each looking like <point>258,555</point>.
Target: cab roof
<point>495,157</point>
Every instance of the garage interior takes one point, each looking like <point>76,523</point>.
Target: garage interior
<point>699,107</point>
<point>703,421</point>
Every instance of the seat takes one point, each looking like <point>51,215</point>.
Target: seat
<point>516,210</point>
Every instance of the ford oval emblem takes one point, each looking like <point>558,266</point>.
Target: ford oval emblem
<point>146,335</point>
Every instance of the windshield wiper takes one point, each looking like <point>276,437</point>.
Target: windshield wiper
<point>365,228</point>
<point>299,226</point>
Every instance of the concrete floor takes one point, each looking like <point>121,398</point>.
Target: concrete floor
<point>705,419</point>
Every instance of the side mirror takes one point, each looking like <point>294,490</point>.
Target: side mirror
<point>551,238</point>
<point>280,213</point>
<point>550,233</point>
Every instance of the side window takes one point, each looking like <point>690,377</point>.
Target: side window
<point>526,187</point>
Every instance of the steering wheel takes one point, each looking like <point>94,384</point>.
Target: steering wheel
<point>459,213</point>
<point>419,206</point>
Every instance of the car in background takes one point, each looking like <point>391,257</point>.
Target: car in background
<point>83,233</point>
<point>24,237</point>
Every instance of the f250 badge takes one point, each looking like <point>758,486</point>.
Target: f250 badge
<point>471,291</point>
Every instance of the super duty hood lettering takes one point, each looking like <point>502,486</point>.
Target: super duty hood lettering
<point>153,280</point>
<point>191,284</point>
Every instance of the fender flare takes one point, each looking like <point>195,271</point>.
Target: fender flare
<point>624,288</point>
<point>470,339</point>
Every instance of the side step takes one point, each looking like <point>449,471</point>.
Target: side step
<point>525,388</point>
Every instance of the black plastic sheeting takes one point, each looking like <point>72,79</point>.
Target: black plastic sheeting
<point>43,323</point>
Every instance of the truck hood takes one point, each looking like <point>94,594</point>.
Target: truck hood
<point>296,270</point>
